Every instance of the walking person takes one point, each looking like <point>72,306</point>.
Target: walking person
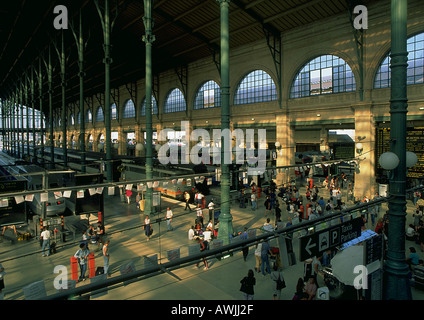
<point>106,257</point>
<point>247,285</point>
<point>82,255</point>
<point>45,235</point>
<point>187,201</point>
<point>278,278</point>
<point>258,256</point>
<point>168,218</point>
<point>253,200</point>
<point>2,273</point>
<point>147,228</point>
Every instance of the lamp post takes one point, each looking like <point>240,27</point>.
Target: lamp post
<point>396,270</point>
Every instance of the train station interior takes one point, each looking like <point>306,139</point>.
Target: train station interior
<point>114,112</point>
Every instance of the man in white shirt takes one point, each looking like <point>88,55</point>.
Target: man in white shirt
<point>211,207</point>
<point>191,233</point>
<point>106,256</point>
<point>199,214</point>
<point>169,216</point>
<point>45,235</point>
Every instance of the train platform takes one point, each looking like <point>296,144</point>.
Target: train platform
<point>24,264</point>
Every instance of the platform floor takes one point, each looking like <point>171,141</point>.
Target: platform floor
<point>24,263</point>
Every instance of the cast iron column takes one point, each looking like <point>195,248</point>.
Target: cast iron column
<point>396,270</point>
<point>225,218</point>
<point>148,39</point>
<point>106,25</point>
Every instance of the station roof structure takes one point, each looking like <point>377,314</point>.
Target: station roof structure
<point>185,31</point>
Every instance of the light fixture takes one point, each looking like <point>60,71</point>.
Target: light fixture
<point>411,159</point>
<point>278,146</point>
<point>359,148</point>
<point>388,160</point>
<point>318,115</point>
<point>139,147</point>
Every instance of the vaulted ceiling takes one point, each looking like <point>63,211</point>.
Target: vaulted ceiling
<point>185,31</point>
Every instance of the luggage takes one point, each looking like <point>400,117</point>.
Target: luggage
<point>52,247</point>
<point>99,271</point>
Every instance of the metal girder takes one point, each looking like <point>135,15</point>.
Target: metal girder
<point>359,44</point>
<point>182,73</point>
<point>188,31</point>
<point>265,25</point>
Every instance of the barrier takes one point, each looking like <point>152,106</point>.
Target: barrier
<point>74,268</point>
<point>91,265</point>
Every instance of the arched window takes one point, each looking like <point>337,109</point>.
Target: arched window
<point>72,120</point>
<point>415,71</point>
<point>208,96</point>
<point>174,102</point>
<point>322,75</point>
<point>100,117</point>
<point>79,118</point>
<point>257,86</point>
<point>88,116</point>
<point>129,110</point>
<point>154,107</point>
<point>113,112</point>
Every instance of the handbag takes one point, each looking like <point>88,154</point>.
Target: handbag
<point>281,284</point>
<point>243,285</point>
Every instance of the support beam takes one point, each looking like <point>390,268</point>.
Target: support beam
<point>225,219</point>
<point>397,285</point>
<point>148,39</point>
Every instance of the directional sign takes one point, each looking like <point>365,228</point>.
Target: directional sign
<point>313,244</point>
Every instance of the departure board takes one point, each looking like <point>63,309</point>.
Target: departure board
<point>414,143</point>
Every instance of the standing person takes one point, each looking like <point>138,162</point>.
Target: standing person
<point>211,207</point>
<point>129,194</point>
<point>277,276</point>
<point>199,214</point>
<point>100,233</point>
<point>267,205</point>
<point>277,211</point>
<point>82,255</point>
<point>187,200</point>
<point>258,256</point>
<point>137,200</point>
<point>265,251</point>
<point>106,257</point>
<point>147,227</point>
<point>2,273</point>
<point>247,285</point>
<point>45,235</point>
<point>168,218</point>
<point>253,200</point>
<point>245,249</point>
<point>203,247</point>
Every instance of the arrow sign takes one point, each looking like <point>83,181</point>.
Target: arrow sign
<point>309,246</point>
